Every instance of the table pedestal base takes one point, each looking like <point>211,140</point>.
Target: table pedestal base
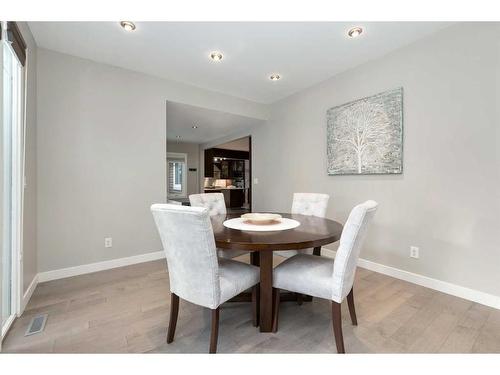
<point>264,260</point>
<point>284,297</point>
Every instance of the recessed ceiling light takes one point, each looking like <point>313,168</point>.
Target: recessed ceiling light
<point>275,77</point>
<point>127,25</point>
<point>355,32</point>
<point>194,127</point>
<point>216,56</point>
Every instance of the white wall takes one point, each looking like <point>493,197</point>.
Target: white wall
<point>193,161</point>
<point>241,144</point>
<point>101,147</point>
<point>101,156</point>
<point>447,200</point>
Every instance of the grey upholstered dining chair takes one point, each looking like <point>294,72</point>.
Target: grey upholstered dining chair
<point>216,205</point>
<point>170,201</point>
<point>309,204</point>
<point>196,273</point>
<point>324,277</point>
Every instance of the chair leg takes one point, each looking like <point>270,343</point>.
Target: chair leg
<point>255,305</point>
<point>214,334</point>
<point>174,312</point>
<point>337,327</point>
<point>352,310</point>
<point>300,298</point>
<point>255,258</point>
<point>276,308</point>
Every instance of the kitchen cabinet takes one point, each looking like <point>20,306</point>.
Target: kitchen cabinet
<point>230,163</point>
<point>227,169</point>
<point>237,168</point>
<point>209,163</point>
<point>236,198</point>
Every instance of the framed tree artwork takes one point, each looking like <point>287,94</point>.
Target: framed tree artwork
<point>366,136</point>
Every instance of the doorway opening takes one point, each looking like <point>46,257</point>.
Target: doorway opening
<point>228,170</point>
<point>209,151</point>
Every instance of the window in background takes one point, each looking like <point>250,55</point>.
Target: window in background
<point>176,175</point>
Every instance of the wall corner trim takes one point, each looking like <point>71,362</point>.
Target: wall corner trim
<point>27,295</point>
<point>428,282</point>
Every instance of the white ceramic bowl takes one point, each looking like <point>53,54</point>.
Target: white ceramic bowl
<point>261,219</point>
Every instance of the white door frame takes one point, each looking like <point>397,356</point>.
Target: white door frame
<point>179,155</point>
<point>18,137</point>
<point>1,179</point>
<point>18,156</point>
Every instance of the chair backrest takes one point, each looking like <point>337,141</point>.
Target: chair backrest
<point>189,245</point>
<point>311,204</point>
<point>214,202</point>
<point>170,201</point>
<point>351,241</point>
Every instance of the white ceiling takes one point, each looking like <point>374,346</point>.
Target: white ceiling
<point>303,53</point>
<point>211,124</point>
<point>241,144</point>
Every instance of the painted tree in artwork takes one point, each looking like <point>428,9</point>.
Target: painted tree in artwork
<point>364,138</point>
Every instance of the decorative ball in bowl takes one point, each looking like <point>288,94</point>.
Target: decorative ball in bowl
<point>261,219</point>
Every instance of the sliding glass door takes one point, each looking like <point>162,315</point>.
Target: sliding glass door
<point>11,135</point>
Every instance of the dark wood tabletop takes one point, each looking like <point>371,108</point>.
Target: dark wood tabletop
<point>312,232</point>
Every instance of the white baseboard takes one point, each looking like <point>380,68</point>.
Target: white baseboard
<point>98,266</point>
<point>27,295</point>
<point>439,285</point>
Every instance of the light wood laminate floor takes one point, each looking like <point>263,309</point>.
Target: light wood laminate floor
<point>126,310</point>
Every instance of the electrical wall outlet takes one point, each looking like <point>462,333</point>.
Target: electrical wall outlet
<point>414,252</point>
<point>255,181</point>
<point>108,242</point>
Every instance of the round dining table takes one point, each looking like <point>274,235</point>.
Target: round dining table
<point>313,232</point>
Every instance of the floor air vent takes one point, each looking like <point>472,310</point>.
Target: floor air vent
<point>37,325</point>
